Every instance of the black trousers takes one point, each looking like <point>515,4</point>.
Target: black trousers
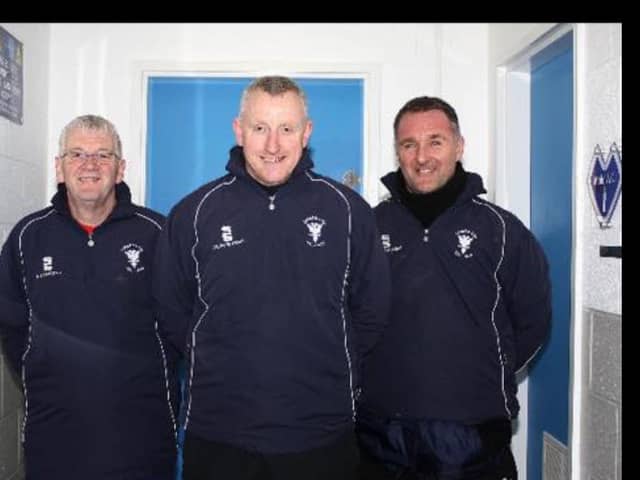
<point>204,460</point>
<point>393,449</point>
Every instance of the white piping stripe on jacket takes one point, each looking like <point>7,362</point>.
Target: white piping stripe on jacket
<point>166,382</point>
<point>200,297</point>
<point>495,305</point>
<point>162,351</point>
<point>345,282</point>
<point>26,294</point>
<point>149,219</point>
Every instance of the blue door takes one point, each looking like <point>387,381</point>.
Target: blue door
<point>551,222</point>
<point>189,131</point>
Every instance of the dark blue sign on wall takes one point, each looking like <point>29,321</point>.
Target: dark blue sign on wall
<point>11,60</point>
<point>605,182</point>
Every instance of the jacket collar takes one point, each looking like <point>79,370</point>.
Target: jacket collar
<point>123,207</point>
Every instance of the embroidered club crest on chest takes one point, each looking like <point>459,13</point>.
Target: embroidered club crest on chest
<point>314,231</point>
<point>133,254</point>
<point>465,239</point>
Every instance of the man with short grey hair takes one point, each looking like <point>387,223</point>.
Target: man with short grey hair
<point>273,282</point>
<point>77,322</point>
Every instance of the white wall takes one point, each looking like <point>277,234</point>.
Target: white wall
<point>23,148</point>
<point>597,424</point>
<point>96,68</point>
<point>601,116</point>
<point>23,169</point>
<point>464,83</point>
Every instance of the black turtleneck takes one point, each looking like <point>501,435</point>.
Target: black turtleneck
<point>426,207</point>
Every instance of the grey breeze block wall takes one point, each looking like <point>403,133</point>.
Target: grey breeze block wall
<point>602,384</point>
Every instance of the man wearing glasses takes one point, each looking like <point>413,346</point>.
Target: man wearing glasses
<point>77,325</point>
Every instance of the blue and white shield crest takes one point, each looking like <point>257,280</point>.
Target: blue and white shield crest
<point>605,182</point>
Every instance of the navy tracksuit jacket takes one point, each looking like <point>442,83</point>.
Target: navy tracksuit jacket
<point>274,300</point>
<point>78,328</point>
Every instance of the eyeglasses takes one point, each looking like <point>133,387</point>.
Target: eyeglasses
<point>80,156</point>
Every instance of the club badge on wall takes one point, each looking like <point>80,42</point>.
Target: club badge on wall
<point>605,182</point>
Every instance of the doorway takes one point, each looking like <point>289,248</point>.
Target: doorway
<point>534,179</point>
